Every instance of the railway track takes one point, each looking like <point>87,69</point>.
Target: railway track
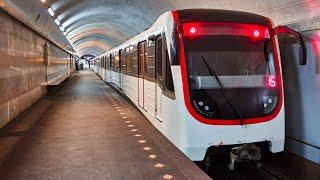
<point>243,171</point>
<point>268,173</point>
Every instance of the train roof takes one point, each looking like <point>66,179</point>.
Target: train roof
<point>220,15</point>
<point>206,15</point>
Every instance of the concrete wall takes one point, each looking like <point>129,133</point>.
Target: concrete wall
<point>35,15</point>
<point>57,66</point>
<point>23,71</point>
<point>302,96</point>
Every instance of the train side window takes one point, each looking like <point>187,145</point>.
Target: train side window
<point>114,62</point>
<point>103,61</point>
<point>111,62</point>
<point>166,68</point>
<point>129,60</point>
<point>159,60</point>
<point>117,62</point>
<point>142,58</point>
<point>169,79</point>
<point>151,71</point>
<point>106,62</point>
<point>135,59</point>
<point>123,59</point>
<point>120,60</point>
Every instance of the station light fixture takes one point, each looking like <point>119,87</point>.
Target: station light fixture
<point>57,21</point>
<point>50,10</point>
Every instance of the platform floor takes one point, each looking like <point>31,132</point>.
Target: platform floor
<point>88,131</point>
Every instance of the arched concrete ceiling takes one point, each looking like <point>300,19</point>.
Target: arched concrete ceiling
<point>94,26</point>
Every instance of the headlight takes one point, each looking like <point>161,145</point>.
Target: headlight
<point>269,103</point>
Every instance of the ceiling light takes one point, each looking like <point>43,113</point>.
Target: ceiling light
<point>64,33</point>
<point>57,21</point>
<point>43,1</point>
<point>50,10</point>
<point>61,28</point>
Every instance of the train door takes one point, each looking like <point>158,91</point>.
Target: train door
<point>151,74</point>
<point>146,83</point>
<point>159,78</point>
<point>141,72</point>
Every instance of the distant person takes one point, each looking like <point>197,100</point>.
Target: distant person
<point>77,68</point>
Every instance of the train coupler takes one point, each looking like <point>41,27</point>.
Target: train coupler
<point>244,153</point>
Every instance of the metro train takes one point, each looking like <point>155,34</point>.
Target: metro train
<point>205,78</point>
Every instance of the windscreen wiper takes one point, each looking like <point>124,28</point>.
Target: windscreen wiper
<point>222,88</point>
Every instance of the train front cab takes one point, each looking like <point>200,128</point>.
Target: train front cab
<point>231,81</point>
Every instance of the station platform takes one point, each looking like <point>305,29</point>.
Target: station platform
<point>87,131</point>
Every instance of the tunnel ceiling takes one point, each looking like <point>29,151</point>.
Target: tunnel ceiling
<point>94,26</point>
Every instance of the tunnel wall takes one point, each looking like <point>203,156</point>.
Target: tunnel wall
<point>23,69</point>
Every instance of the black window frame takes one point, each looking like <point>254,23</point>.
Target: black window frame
<point>158,60</point>
<point>167,72</point>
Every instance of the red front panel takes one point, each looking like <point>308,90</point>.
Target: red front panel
<point>192,29</point>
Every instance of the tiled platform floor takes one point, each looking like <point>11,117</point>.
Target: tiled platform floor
<point>88,131</point>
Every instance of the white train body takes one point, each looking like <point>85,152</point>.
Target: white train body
<point>169,111</point>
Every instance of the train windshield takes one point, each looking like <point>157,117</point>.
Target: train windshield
<point>242,61</point>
